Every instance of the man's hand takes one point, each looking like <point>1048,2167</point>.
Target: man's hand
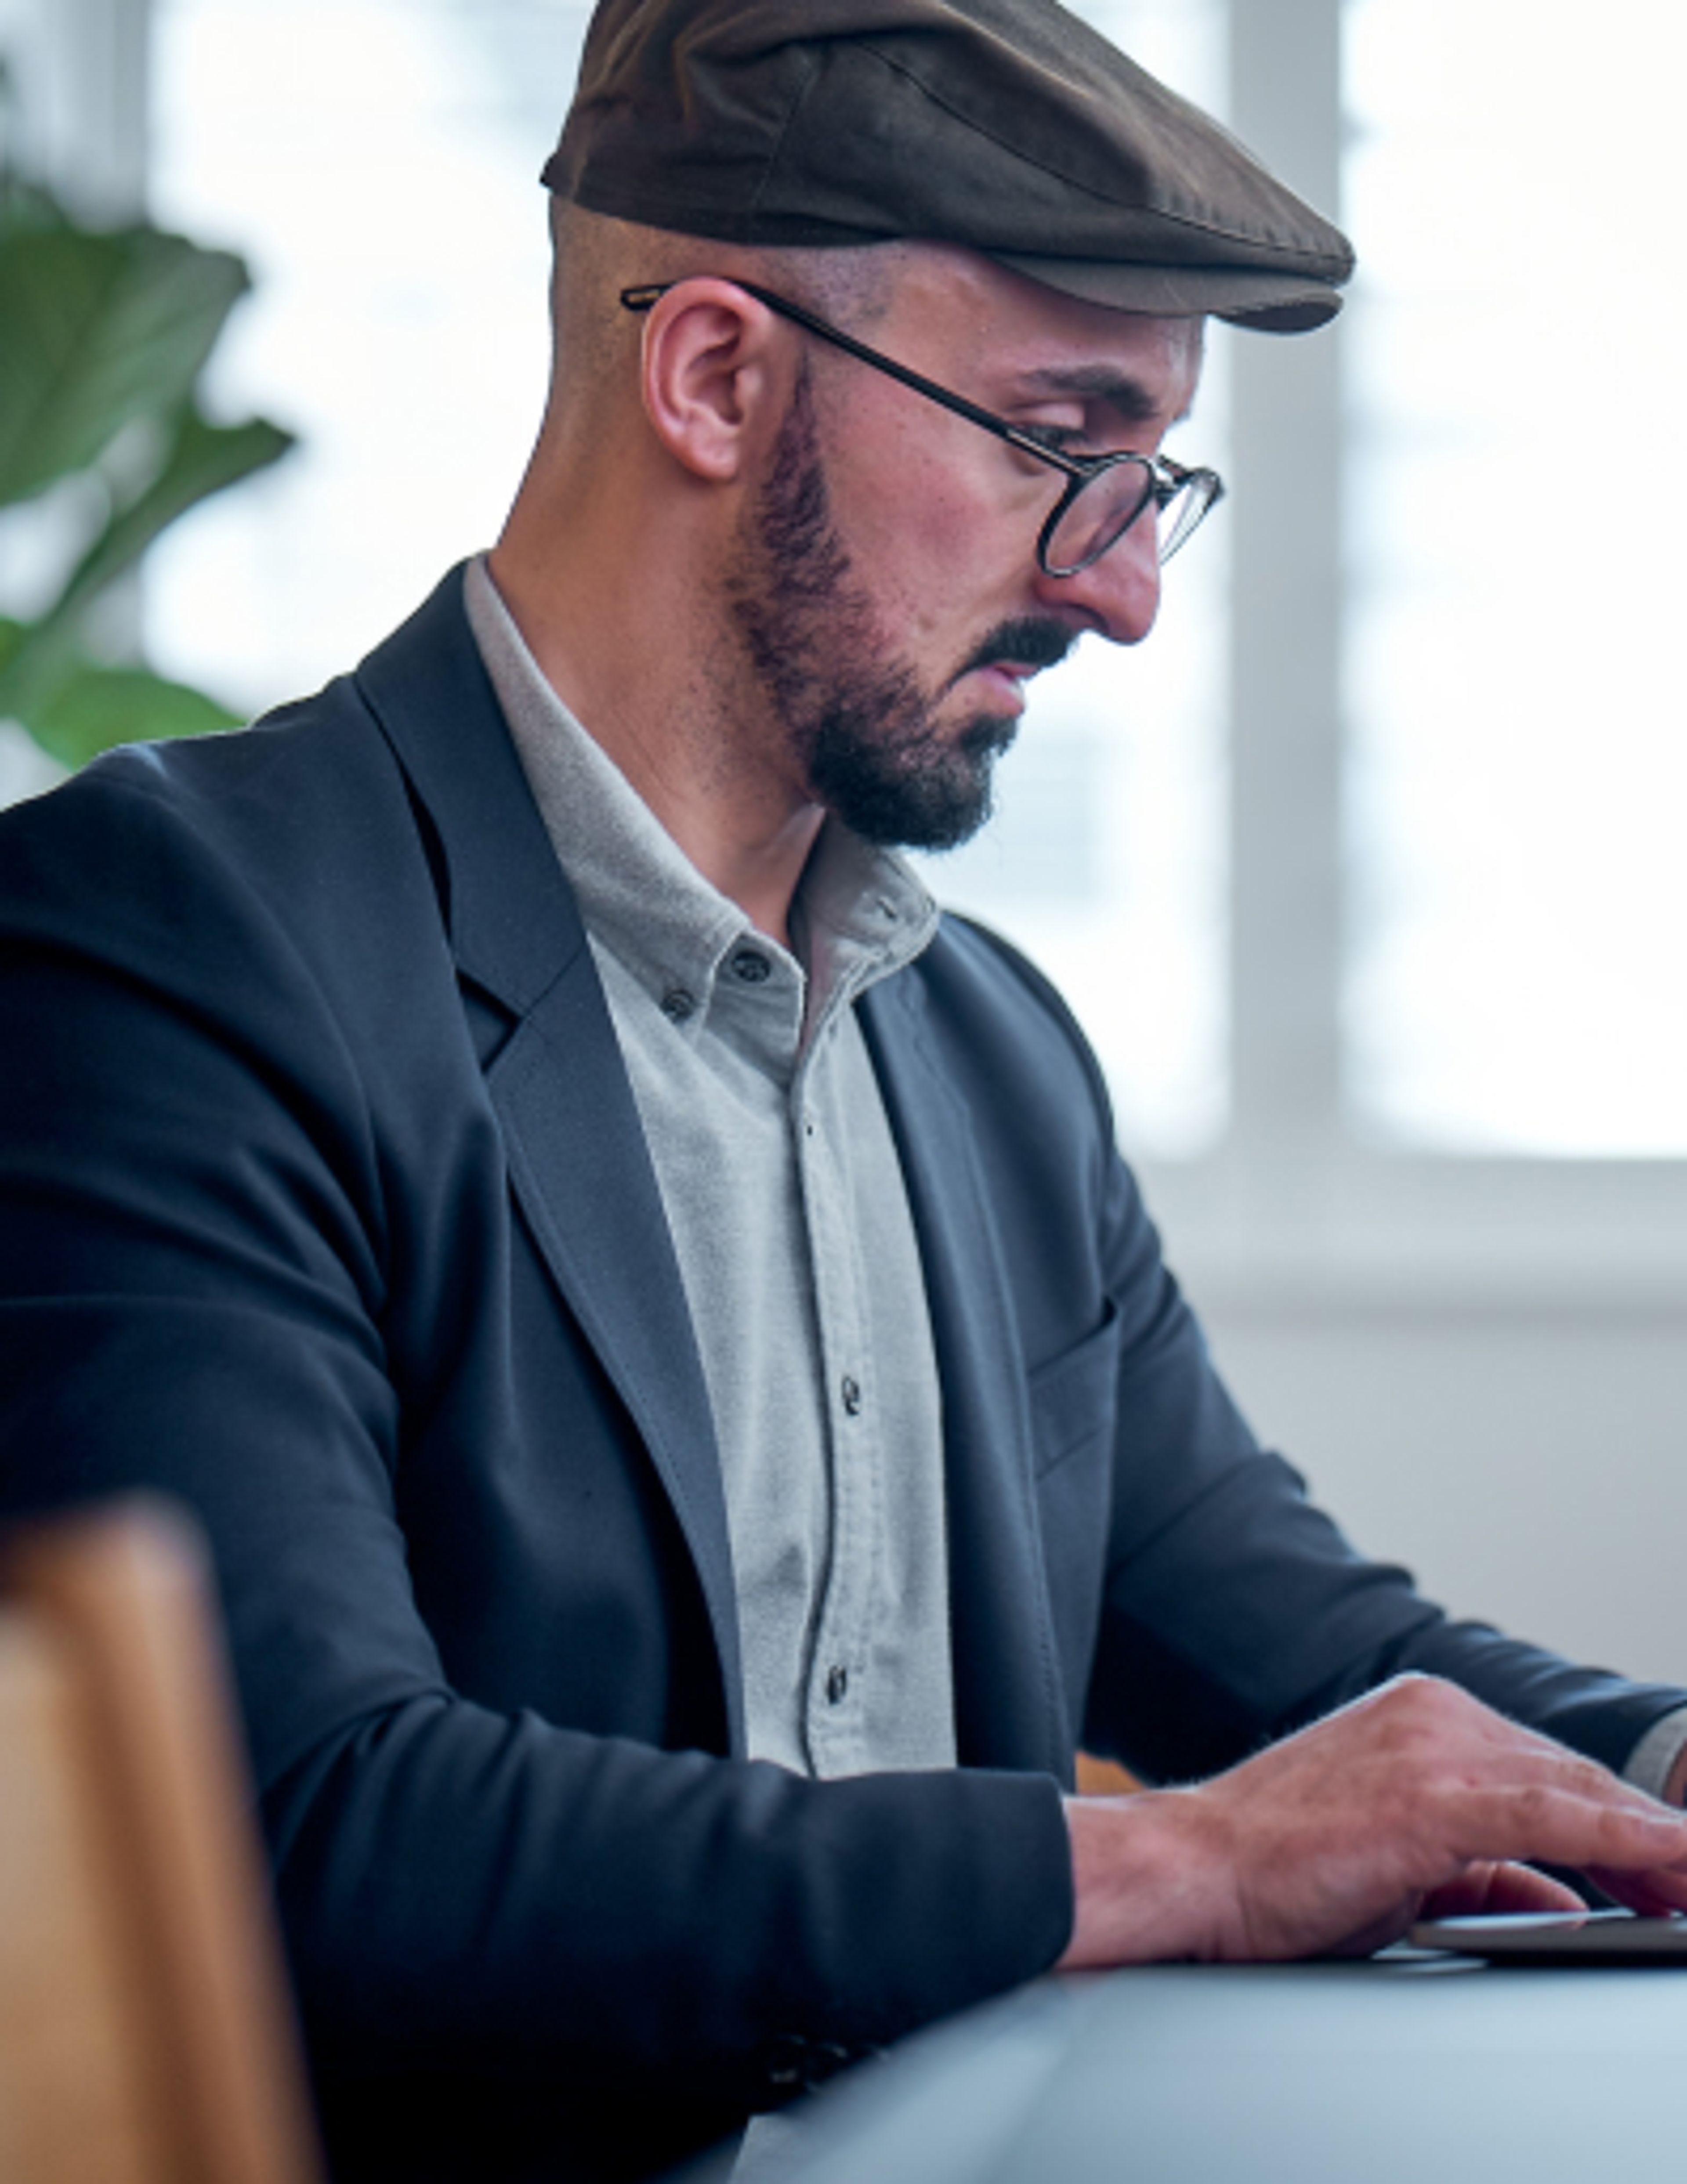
<point>1413,1802</point>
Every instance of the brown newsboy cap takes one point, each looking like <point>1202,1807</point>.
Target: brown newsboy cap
<point>1004,125</point>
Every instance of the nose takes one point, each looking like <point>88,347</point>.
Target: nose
<point>1118,596</point>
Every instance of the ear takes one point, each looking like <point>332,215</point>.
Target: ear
<point>712,376</point>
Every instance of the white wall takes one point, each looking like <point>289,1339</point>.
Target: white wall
<point>1529,1463</point>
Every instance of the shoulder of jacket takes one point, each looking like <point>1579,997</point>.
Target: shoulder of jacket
<point>966,952</point>
<point>259,797</point>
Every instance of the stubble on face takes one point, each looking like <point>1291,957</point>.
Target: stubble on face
<point>862,727</point>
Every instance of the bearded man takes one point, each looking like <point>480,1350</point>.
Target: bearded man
<point>693,1420</point>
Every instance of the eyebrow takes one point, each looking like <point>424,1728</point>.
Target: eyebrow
<point>1130,399</point>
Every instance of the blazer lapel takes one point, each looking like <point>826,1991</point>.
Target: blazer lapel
<point>1010,1709</point>
<point>578,1159</point>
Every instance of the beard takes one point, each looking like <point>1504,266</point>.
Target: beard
<point>863,727</point>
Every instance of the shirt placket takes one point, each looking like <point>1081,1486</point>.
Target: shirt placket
<point>836,1696</point>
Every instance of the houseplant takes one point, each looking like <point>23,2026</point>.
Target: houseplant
<point>104,334</point>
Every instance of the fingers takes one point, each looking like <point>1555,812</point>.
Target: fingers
<point>1330,1839</point>
<point>1456,1785</point>
<point>1653,1894</point>
<point>1614,1827</point>
<point>1491,1886</point>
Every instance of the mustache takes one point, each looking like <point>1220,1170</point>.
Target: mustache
<point>1036,641</point>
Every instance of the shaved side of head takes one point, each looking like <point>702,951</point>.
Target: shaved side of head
<point>594,257</point>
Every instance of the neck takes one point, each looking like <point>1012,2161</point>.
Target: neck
<point>633,661</point>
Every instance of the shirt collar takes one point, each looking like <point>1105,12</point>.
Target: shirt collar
<point>860,912</point>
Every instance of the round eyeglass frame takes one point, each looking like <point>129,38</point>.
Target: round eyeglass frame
<point>1194,491</point>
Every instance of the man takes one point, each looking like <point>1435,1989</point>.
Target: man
<point>691,1417</point>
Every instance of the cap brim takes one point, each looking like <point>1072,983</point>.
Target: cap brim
<point>1273,303</point>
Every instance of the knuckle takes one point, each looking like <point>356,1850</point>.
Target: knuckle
<point>1414,1695</point>
<point>1417,1709</point>
<point>1589,1779</point>
<point>1622,1820</point>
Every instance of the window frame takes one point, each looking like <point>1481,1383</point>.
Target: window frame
<point>85,66</point>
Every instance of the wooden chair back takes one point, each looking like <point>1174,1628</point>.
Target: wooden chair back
<point>146,2034</point>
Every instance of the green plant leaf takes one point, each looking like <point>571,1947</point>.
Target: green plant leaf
<point>96,707</point>
<point>25,205</point>
<point>200,459</point>
<point>99,330</point>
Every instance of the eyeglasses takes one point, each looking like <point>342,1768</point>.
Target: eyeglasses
<point>1104,494</point>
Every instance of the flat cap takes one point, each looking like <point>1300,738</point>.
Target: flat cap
<point>1007,125</point>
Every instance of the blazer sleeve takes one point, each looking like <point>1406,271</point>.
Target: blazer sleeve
<point>198,1234</point>
<point>1235,1610</point>
<point>1232,1610</point>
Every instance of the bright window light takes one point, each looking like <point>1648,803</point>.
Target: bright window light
<point>1517,488</point>
<point>377,163</point>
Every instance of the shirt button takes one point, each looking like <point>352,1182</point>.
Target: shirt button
<point>677,1004</point>
<point>837,1686</point>
<point>851,1393</point>
<point>750,965</point>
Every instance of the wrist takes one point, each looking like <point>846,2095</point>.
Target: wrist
<point>1147,1880</point>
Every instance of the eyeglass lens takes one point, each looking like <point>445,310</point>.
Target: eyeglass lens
<point>1105,506</point>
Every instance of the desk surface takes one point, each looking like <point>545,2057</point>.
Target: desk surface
<point>1431,2072</point>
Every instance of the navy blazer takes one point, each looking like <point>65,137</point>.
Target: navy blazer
<point>324,1204</point>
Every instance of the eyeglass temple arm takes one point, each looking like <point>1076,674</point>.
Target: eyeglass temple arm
<point>1077,466</point>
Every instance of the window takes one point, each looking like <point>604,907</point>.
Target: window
<point>1515,487</point>
<point>1450,1013</point>
<point>389,206</point>
<point>1360,871</point>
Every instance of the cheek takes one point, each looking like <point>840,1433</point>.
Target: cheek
<point>936,540</point>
